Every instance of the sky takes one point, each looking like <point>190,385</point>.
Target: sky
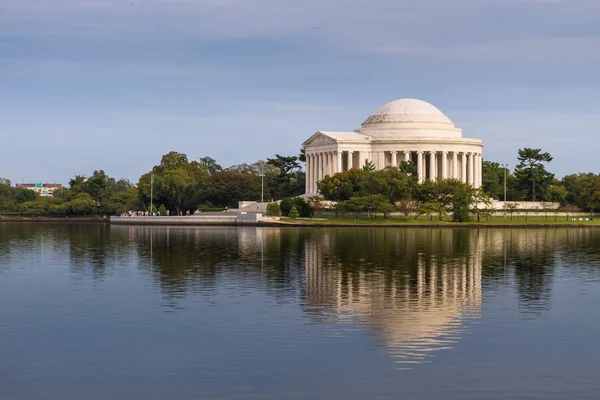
<point>115,84</point>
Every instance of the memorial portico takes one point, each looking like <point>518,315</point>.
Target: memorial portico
<point>402,130</point>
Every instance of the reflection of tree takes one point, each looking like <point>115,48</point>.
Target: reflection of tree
<point>533,257</point>
<point>186,260</point>
<point>387,262</point>
<point>527,254</point>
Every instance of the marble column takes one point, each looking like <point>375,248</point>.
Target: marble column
<point>407,156</point>
<point>394,159</point>
<point>339,161</point>
<point>471,168</point>
<point>420,166</point>
<point>479,171</point>
<point>463,164</point>
<point>310,173</point>
<point>307,187</point>
<point>454,165</point>
<point>330,163</point>
<point>444,165</point>
<point>350,159</point>
<point>432,174</point>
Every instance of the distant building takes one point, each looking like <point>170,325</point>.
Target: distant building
<point>44,189</point>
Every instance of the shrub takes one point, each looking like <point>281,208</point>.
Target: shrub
<point>162,210</point>
<point>273,209</point>
<point>294,213</point>
<point>286,205</point>
<point>304,209</point>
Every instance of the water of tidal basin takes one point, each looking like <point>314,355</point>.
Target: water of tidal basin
<point>100,312</point>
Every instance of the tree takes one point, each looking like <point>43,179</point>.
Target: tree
<point>211,165</point>
<point>407,206</point>
<point>294,213</point>
<point>453,195</point>
<point>390,182</point>
<point>286,165</point>
<point>369,166</point>
<point>493,179</point>
<point>342,185</point>
<point>97,186</point>
<point>273,209</point>
<point>431,208</point>
<point>532,178</point>
<point>83,203</point>
<point>558,193</point>
<point>480,204</point>
<point>591,194</point>
<point>162,210</point>
<point>511,208</point>
<point>174,185</point>
<point>302,156</point>
<point>573,185</point>
<point>408,167</point>
<point>369,204</point>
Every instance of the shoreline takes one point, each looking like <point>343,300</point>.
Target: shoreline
<point>56,219</point>
<point>307,223</point>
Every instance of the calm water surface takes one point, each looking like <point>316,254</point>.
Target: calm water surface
<point>99,312</point>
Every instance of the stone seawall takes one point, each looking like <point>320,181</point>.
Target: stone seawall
<point>226,219</point>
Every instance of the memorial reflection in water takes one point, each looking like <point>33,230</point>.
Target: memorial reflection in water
<point>414,300</point>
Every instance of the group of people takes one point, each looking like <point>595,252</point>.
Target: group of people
<point>132,213</point>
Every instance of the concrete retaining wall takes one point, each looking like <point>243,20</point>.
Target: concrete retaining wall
<point>223,219</point>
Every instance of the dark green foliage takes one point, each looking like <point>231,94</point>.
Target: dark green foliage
<point>273,209</point>
<point>493,179</point>
<point>369,166</point>
<point>304,209</point>
<point>162,210</point>
<point>294,213</point>
<point>533,181</point>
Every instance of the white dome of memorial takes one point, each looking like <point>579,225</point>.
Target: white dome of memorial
<point>401,130</point>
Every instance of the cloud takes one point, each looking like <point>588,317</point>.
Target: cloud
<point>416,27</point>
<point>542,49</point>
<point>68,67</point>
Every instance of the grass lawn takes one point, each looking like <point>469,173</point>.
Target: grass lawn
<point>424,220</point>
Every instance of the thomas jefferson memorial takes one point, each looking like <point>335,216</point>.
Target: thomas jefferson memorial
<point>402,130</point>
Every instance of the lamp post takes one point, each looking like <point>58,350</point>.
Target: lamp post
<point>262,182</point>
<point>151,192</point>
<point>505,168</point>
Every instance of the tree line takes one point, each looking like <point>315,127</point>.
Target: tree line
<point>178,185</point>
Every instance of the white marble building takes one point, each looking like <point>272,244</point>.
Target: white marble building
<point>402,130</point>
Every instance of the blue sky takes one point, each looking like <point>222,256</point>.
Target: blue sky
<point>113,85</point>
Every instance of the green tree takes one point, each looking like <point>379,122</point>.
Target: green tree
<point>273,209</point>
<point>162,210</point>
<point>294,212</point>
<point>83,203</point>
<point>211,165</point>
<point>558,193</point>
<point>493,179</point>
<point>574,185</point>
<point>174,184</point>
<point>532,178</point>
<point>408,167</point>
<point>389,182</point>
<point>369,166</point>
<point>342,185</point>
<point>591,194</point>
<point>302,155</point>
<point>432,208</point>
